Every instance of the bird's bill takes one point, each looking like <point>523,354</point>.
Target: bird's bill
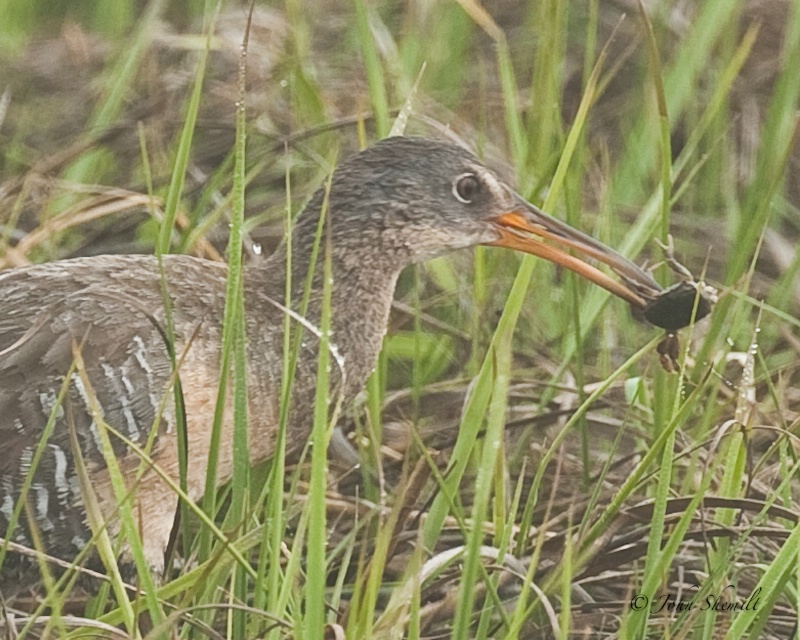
<point>530,230</point>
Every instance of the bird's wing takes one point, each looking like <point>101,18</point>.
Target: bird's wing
<point>45,318</point>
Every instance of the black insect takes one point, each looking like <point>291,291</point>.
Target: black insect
<point>683,303</point>
<point>675,308</point>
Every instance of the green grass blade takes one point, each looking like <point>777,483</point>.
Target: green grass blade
<point>375,76</point>
<point>315,615</point>
<point>501,357</point>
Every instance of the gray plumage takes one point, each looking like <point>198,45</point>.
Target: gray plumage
<point>389,206</point>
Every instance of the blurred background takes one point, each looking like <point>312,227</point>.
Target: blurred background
<point>94,97</point>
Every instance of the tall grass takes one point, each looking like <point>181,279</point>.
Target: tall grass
<point>506,529</point>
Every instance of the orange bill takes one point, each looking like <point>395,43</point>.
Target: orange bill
<point>530,230</point>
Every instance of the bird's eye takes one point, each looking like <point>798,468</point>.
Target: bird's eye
<point>466,187</point>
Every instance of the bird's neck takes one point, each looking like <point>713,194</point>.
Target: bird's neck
<point>362,289</point>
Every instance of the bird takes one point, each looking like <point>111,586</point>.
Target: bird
<point>403,200</point>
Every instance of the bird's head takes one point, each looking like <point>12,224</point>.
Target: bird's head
<point>410,199</point>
